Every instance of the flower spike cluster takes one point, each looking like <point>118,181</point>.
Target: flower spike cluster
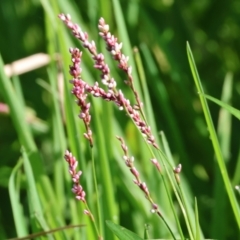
<point>177,170</point>
<point>91,47</point>
<point>81,88</point>
<point>77,188</point>
<point>115,49</point>
<point>79,91</point>
<point>129,161</point>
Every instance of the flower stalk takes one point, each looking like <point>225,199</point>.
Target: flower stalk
<point>77,189</point>
<point>129,161</point>
<point>111,94</point>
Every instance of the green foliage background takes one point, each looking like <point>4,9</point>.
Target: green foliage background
<point>159,29</point>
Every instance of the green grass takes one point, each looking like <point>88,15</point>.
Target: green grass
<point>176,84</point>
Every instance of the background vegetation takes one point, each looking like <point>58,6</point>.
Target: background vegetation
<point>159,29</point>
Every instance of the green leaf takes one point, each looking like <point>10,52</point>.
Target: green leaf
<point>146,233</point>
<point>213,137</point>
<point>36,209</point>
<point>197,236</point>
<point>121,232</point>
<point>235,112</point>
<point>17,209</point>
<point>17,110</point>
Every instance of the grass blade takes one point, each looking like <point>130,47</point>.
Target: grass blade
<point>213,136</point>
<point>14,194</point>
<point>218,229</point>
<point>17,110</point>
<point>121,232</point>
<point>235,112</point>
<point>197,225</point>
<point>35,207</point>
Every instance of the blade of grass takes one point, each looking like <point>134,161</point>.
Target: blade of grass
<point>35,207</point>
<point>224,122</point>
<point>197,225</point>
<point>146,232</point>
<point>213,137</point>
<point>106,10</point>
<point>236,175</point>
<point>178,192</point>
<point>218,229</point>
<point>14,193</point>
<point>53,214</point>
<point>59,138</point>
<point>121,232</point>
<point>77,216</point>
<point>185,192</point>
<point>108,201</point>
<point>17,110</point>
<point>148,111</point>
<point>235,112</point>
<point>18,88</point>
<point>59,143</point>
<point>163,99</point>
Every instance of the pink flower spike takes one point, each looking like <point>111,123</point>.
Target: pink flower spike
<point>77,189</point>
<point>178,169</point>
<point>144,188</point>
<point>86,212</point>
<point>62,16</point>
<point>134,171</point>
<point>136,181</point>
<point>156,163</point>
<point>155,206</point>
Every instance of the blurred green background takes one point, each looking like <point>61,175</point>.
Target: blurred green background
<point>159,28</point>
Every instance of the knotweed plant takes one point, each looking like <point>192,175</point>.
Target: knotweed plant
<point>110,92</point>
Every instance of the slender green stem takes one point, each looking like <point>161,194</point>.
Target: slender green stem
<point>185,206</point>
<point>167,226</point>
<point>97,195</point>
<point>161,216</point>
<point>93,221</point>
<point>161,156</point>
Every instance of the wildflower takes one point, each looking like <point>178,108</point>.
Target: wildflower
<point>177,170</point>
<point>77,188</point>
<point>79,91</point>
<point>156,163</point>
<point>80,88</point>
<point>129,161</point>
